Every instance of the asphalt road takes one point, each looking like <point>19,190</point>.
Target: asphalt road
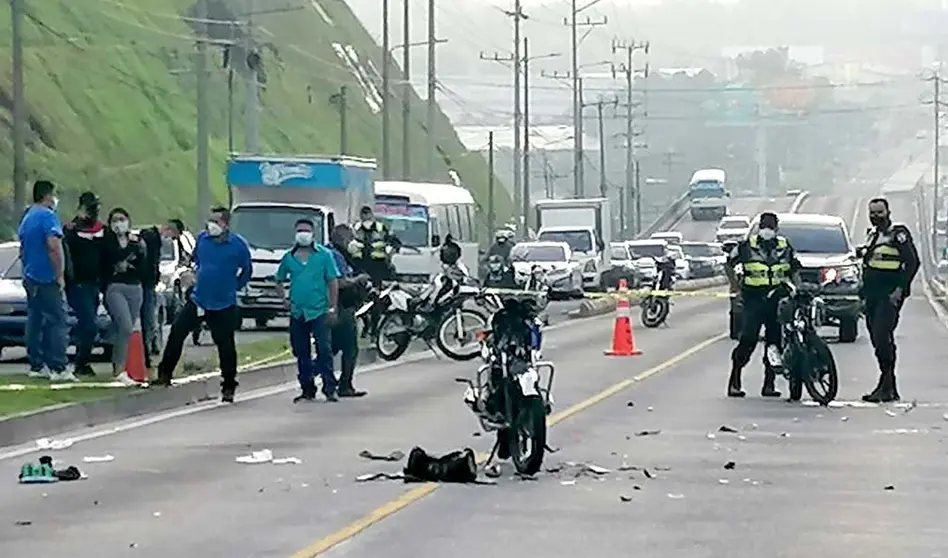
<point>703,231</point>
<point>849,481</point>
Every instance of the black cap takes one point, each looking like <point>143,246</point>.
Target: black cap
<point>769,215</point>
<point>365,209</point>
<point>88,199</point>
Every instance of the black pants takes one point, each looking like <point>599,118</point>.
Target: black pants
<point>758,311</point>
<point>223,325</point>
<point>882,317</point>
<point>345,339</point>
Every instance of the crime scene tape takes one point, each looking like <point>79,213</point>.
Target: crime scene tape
<point>708,292</point>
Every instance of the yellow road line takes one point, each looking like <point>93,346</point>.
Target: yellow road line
<point>394,506</point>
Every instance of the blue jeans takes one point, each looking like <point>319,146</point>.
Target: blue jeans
<point>149,318</point>
<point>47,333</point>
<point>301,332</point>
<point>84,300</point>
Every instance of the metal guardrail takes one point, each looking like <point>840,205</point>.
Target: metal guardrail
<point>668,218</point>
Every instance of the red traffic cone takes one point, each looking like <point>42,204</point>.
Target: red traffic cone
<point>135,363</point>
<point>623,340</point>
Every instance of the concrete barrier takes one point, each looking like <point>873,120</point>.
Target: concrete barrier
<point>600,306</point>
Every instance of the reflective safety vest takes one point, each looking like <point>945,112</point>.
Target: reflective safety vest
<point>767,268</point>
<point>884,254</point>
<point>373,238</point>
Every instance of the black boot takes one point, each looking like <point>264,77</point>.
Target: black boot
<point>734,384</point>
<point>874,395</point>
<point>895,389</point>
<point>769,389</point>
<point>885,392</point>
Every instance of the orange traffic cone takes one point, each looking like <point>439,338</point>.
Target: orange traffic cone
<point>135,363</point>
<point>623,340</point>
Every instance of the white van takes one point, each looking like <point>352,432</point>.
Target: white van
<point>421,215</point>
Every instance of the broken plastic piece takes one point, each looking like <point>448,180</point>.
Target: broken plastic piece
<point>393,456</point>
<point>728,429</point>
<point>730,465</point>
<point>98,458</point>
<point>256,457</point>
<point>675,496</point>
<point>380,476</point>
<point>624,498</point>
<point>50,444</point>
<point>287,461</point>
<point>648,432</point>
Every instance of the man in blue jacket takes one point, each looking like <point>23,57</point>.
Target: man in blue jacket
<point>223,267</point>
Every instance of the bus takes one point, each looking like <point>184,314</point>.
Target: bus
<point>706,194</point>
<point>421,215</point>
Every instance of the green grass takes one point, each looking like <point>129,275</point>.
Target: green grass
<point>110,109</point>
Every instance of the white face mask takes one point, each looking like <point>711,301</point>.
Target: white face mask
<point>767,234</point>
<point>304,238</point>
<point>55,203</point>
<point>214,229</point>
<point>120,226</point>
<point>367,223</point>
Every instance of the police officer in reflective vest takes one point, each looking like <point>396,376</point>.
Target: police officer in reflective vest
<point>890,263</point>
<point>369,247</point>
<point>767,260</point>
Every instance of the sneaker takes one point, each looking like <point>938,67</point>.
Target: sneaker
<point>227,394</point>
<point>126,380</point>
<point>41,374</point>
<point>304,397</point>
<point>63,376</point>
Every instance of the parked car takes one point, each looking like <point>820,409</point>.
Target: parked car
<point>703,259</point>
<point>733,227</point>
<point>564,276</point>
<point>671,237</point>
<point>682,267</point>
<point>645,254</point>
<point>824,249</point>
<point>635,271</point>
<point>13,306</point>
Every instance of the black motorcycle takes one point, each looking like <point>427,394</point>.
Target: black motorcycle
<point>807,359</point>
<point>656,307</point>
<point>506,395</point>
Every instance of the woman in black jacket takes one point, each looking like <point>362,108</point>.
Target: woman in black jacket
<point>125,269</point>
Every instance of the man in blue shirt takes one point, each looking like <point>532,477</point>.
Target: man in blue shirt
<point>313,298</point>
<point>352,293</point>
<point>223,267</point>
<point>44,278</point>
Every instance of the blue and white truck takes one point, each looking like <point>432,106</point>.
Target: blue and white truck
<point>707,196</point>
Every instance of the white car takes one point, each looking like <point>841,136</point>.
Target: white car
<point>565,277</point>
<point>733,227</point>
<point>671,237</point>
<point>682,267</point>
<point>645,255</point>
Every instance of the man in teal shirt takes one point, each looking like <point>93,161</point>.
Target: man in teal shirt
<point>314,291</point>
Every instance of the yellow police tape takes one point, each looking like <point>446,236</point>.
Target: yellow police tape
<point>706,292</point>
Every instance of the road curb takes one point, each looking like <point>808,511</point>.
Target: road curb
<point>600,306</point>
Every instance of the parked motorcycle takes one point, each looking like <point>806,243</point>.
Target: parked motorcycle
<point>806,359</point>
<point>656,307</point>
<point>436,314</point>
<point>506,395</point>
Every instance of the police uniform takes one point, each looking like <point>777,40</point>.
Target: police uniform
<point>766,264</point>
<point>368,250</point>
<point>890,262</point>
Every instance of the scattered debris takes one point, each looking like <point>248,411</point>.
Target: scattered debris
<point>630,404</point>
<point>624,498</point>
<point>393,456</point>
<point>889,487</point>
<point>255,457</point>
<point>50,444</point>
<point>650,409</point>
<point>891,413</point>
<point>554,469</point>
<point>98,458</point>
<point>675,496</point>
<point>742,438</point>
<point>843,419</point>
<point>911,407</point>
<point>662,469</point>
<point>730,465</point>
<point>819,415</point>
<point>944,417</point>
<point>728,429</point>
<point>576,470</point>
<point>647,474</point>
<point>754,426</point>
<point>648,433</point>
<point>711,436</point>
<point>723,481</point>
<point>795,419</point>
<point>568,482</point>
<point>157,514</point>
<point>377,476</point>
<point>477,434</point>
<point>287,461</point>
<point>22,523</point>
<point>784,434</point>
<point>523,477</point>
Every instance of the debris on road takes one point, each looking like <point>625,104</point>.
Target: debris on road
<point>392,456</point>
<point>256,457</point>
<point>624,498</point>
<point>724,481</point>
<point>891,413</point>
<point>728,429</point>
<point>51,444</point>
<point>648,433</point>
<point>380,476</point>
<point>493,471</point>
<point>22,523</point>
<point>630,404</point>
<point>287,461</point>
<point>568,482</point>
<point>784,434</point>
<point>674,496</point>
<point>711,436</point>
<point>889,487</point>
<point>843,419</point>
<point>98,458</point>
<point>730,465</point>
<point>650,409</point>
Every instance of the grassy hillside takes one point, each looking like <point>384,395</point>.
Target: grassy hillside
<point>111,98</point>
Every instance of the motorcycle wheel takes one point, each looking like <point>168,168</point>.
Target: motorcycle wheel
<point>473,322</point>
<point>654,311</point>
<point>401,339</point>
<point>821,378</point>
<point>528,435</point>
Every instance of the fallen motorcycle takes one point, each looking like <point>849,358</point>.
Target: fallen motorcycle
<point>506,394</point>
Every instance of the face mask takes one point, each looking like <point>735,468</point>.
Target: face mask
<point>768,234</point>
<point>502,240</point>
<point>879,221</point>
<point>120,226</point>
<point>214,229</point>
<point>55,203</point>
<point>304,238</point>
<point>367,223</point>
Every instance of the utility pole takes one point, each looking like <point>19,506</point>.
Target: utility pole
<point>526,136</point>
<point>638,199</point>
<point>550,177</point>
<point>386,96</point>
<point>602,151</point>
<point>574,26</point>
<point>203,133</point>
<point>491,215</point>
<point>341,102</point>
<point>251,61</point>
<point>406,95</point>
<point>517,15</point>
<point>230,106</point>
<point>432,85</point>
<point>19,110</point>
<point>631,192</point>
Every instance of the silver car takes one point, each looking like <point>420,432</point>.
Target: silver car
<point>564,277</point>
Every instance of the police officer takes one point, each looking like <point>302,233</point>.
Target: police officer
<point>501,246</point>
<point>369,247</point>
<point>767,260</point>
<point>500,274</point>
<point>890,263</point>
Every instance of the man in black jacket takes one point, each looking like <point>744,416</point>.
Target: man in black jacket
<point>84,237</point>
<point>151,237</point>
